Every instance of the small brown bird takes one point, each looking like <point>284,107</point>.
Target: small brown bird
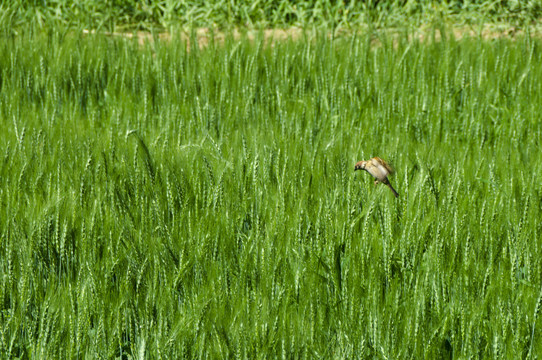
<point>379,169</point>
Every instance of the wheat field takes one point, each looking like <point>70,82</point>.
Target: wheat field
<point>174,201</point>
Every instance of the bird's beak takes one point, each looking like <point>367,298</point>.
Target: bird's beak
<point>358,166</point>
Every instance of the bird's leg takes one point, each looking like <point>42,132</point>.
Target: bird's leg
<point>376,182</point>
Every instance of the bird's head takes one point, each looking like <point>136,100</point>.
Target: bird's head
<point>360,165</point>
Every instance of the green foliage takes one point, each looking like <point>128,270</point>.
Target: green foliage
<point>152,14</point>
<point>168,201</point>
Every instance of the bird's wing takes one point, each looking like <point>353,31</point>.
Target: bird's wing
<point>384,166</point>
<point>377,170</point>
<point>373,170</point>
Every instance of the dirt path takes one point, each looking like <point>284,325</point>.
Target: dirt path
<point>424,33</point>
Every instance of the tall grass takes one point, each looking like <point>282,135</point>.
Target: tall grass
<point>151,14</point>
<point>174,202</point>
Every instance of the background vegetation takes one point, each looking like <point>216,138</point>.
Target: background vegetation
<point>168,201</point>
<point>152,14</point>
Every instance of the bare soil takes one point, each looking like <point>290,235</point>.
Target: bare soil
<point>423,34</point>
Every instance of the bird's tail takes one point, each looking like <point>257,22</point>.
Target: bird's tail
<point>392,189</point>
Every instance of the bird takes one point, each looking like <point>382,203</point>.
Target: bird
<point>379,169</point>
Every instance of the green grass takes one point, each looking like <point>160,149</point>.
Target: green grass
<point>165,202</point>
<point>162,14</point>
